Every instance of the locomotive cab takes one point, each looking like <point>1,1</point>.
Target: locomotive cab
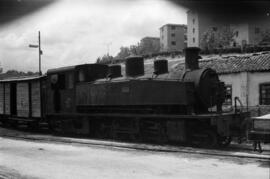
<point>62,82</point>
<point>60,90</point>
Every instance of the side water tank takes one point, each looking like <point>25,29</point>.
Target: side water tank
<point>134,66</point>
<point>114,71</point>
<point>160,67</point>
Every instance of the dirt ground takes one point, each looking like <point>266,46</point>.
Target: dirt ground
<point>25,159</point>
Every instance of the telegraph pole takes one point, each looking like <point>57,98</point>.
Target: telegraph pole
<point>39,52</point>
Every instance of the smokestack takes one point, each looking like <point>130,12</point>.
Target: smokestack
<point>192,58</point>
<point>134,66</point>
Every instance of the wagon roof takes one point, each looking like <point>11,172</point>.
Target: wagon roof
<point>264,117</point>
<point>22,78</point>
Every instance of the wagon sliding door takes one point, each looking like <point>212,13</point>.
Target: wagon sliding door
<point>7,98</point>
<point>35,99</point>
<point>2,99</point>
<point>23,99</point>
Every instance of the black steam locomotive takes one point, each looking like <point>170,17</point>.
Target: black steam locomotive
<point>96,100</point>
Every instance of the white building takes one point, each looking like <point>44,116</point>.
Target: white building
<point>248,29</point>
<point>150,45</point>
<point>173,37</point>
<point>246,77</point>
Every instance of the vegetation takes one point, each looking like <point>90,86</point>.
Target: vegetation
<point>106,59</point>
<point>143,49</point>
<point>265,38</point>
<point>215,38</point>
<point>15,73</point>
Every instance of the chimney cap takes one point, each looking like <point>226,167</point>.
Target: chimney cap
<point>192,49</point>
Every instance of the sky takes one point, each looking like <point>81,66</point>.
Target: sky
<point>77,32</point>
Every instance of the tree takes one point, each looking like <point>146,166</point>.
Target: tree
<point>124,52</point>
<point>135,50</point>
<point>214,38</point>
<point>265,37</point>
<point>98,60</point>
<point>106,59</point>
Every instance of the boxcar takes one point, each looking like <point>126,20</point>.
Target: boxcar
<point>21,100</point>
<point>260,129</point>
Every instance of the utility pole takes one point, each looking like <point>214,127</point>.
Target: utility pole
<point>39,52</point>
<point>108,47</point>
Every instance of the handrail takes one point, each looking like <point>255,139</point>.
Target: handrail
<point>235,104</point>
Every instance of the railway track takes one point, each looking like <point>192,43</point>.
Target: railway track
<point>236,151</point>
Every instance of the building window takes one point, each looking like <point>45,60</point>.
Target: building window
<point>236,34</point>
<point>193,40</point>
<point>185,37</point>
<point>193,20</point>
<point>173,34</point>
<point>265,94</point>
<point>228,95</point>
<point>173,43</point>
<point>257,30</point>
<point>173,27</point>
<point>193,30</point>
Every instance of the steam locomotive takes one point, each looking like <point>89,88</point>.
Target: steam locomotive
<point>97,101</point>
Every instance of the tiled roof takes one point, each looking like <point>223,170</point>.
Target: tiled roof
<point>233,64</point>
<point>223,65</point>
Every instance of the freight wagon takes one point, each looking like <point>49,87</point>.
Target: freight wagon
<point>21,101</point>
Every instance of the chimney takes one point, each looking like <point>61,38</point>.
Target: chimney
<point>160,66</point>
<point>134,66</point>
<point>192,58</point>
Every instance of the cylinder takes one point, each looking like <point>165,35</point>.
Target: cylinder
<point>114,71</point>
<point>192,58</point>
<point>160,66</point>
<point>134,66</point>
